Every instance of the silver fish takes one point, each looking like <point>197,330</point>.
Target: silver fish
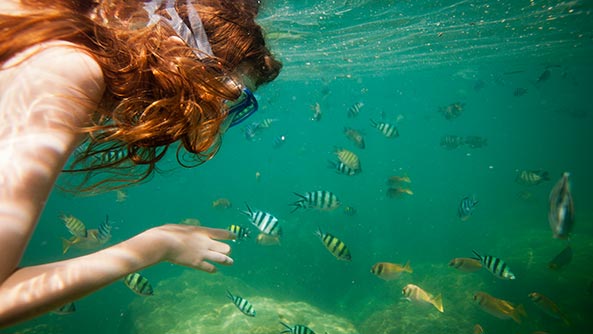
<point>561,214</point>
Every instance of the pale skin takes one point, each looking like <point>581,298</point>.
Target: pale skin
<point>42,99</point>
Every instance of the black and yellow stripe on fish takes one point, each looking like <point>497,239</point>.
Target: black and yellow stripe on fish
<point>335,246</point>
<point>297,329</point>
<point>139,284</point>
<point>242,304</point>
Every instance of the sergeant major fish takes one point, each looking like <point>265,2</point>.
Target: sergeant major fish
<point>387,129</point>
<point>354,110</point>
<point>265,222</point>
<point>342,168</point>
<point>240,231</point>
<point>496,266</point>
<point>320,199</point>
<point>335,246</point>
<point>499,308</point>
<point>74,225</point>
<point>242,304</point>
<point>349,159</point>
<point>561,213</point>
<point>94,238</point>
<point>532,177</point>
<point>297,329</point>
<point>466,208</point>
<point>415,294</point>
<point>139,284</point>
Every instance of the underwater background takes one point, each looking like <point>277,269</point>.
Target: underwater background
<point>522,72</point>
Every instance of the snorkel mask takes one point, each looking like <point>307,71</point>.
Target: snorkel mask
<point>195,36</point>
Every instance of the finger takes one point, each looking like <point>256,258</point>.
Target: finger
<point>219,258</point>
<point>220,247</point>
<point>219,234</point>
<point>207,267</point>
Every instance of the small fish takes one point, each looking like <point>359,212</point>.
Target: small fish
<point>242,304</point>
<point>561,213</point>
<point>387,129</point>
<point>475,141</point>
<point>265,222</point>
<point>451,142</point>
<point>75,226</point>
<point>251,131</point>
<point>139,284</point>
<point>267,240</point>
<point>279,141</point>
<point>297,329</point>
<point>499,308</point>
<point>335,246</point>
<point>478,329</point>
<point>466,265</point>
<point>104,231</point>
<point>394,180</point>
<point>241,232</point>
<point>355,136</point>
<point>397,191</point>
<point>95,238</point>
<point>532,177</point>
<point>320,199</point>
<point>562,259</point>
<point>496,266</point>
<point>257,176</point>
<point>349,211</point>
<point>65,309</point>
<point>390,271</point>
<point>520,91</point>
<point>342,168</point>
<point>223,203</point>
<point>466,208</point>
<point>191,221</point>
<point>415,294</point>
<point>348,158</point>
<point>121,196</point>
<point>267,122</point>
<point>548,307</point>
<point>317,113</point>
<point>354,110</point>
<point>452,111</point>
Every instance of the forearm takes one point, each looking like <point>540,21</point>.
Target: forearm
<point>31,291</point>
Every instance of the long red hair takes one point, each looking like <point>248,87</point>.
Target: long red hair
<point>158,91</point>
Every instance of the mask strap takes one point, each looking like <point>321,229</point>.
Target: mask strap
<point>195,35</point>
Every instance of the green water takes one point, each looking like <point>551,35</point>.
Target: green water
<point>401,58</point>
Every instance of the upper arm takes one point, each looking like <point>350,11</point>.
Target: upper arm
<point>43,99</point>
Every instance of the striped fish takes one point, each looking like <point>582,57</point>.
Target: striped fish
<point>242,304</point>
<point>354,110</point>
<point>561,213</point>
<point>139,284</point>
<point>264,222</point>
<point>335,246</point>
<point>532,177</point>
<point>297,329</point>
<point>496,266</point>
<point>342,168</point>
<point>75,226</point>
<point>348,158</point>
<point>466,208</point>
<point>66,309</point>
<point>104,231</point>
<point>241,231</point>
<point>387,129</point>
<point>267,122</point>
<point>320,199</point>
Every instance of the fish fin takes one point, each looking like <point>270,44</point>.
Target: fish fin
<point>518,312</point>
<point>438,303</point>
<point>67,243</point>
<point>407,267</point>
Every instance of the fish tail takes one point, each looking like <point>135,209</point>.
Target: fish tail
<point>407,267</point>
<point>438,303</point>
<point>249,211</point>
<point>66,244</point>
<point>518,313</point>
<point>230,295</point>
<point>479,257</point>
<point>288,328</point>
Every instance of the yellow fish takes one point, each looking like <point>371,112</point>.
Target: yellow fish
<point>397,191</point>
<point>267,240</point>
<point>415,294</point>
<point>348,158</point>
<point>91,241</point>
<point>499,308</point>
<point>222,203</point>
<point>393,180</point>
<point>548,307</point>
<point>74,225</point>
<point>465,264</point>
<point>389,271</point>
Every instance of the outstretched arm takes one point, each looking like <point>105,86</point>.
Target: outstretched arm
<point>42,99</point>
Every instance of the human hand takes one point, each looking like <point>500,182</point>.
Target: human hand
<point>194,246</point>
